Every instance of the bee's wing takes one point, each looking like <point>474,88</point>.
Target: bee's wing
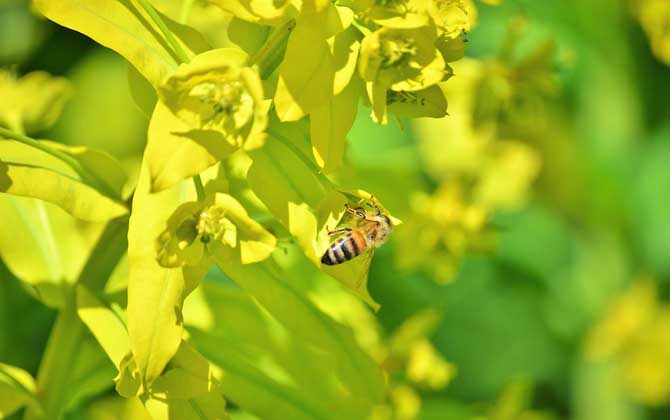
<point>366,260</point>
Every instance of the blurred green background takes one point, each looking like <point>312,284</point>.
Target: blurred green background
<point>555,307</point>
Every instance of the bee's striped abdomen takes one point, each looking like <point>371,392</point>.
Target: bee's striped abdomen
<point>348,247</point>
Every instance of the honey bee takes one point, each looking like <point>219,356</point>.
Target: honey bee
<point>368,233</point>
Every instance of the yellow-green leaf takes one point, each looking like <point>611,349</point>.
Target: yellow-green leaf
<point>262,12</point>
<point>125,27</point>
<point>59,245</point>
<point>267,369</point>
<point>329,125</point>
<point>155,293</point>
<point>306,75</point>
<point>344,47</point>
<point>96,199</point>
<point>17,389</point>
<point>106,325</point>
<point>187,389</point>
<point>271,287</point>
<point>142,92</point>
<point>429,102</point>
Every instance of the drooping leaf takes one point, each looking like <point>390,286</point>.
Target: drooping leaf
<point>248,36</point>
<point>345,47</point>
<point>59,245</point>
<point>306,75</point>
<point>142,92</point>
<point>106,326</point>
<point>96,198</point>
<point>306,207</point>
<point>329,125</point>
<point>429,102</point>
<point>17,389</point>
<point>125,27</point>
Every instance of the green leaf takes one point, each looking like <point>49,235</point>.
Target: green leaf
<point>306,75</point>
<point>155,293</point>
<point>58,245</point>
<point>17,389</point>
<point>267,368</point>
<point>344,47</point>
<point>124,26</point>
<point>97,199</point>
<point>248,36</point>
<point>72,368</point>
<point>329,125</point>
<point>270,287</point>
<point>142,92</point>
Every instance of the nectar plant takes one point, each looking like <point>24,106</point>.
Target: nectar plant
<point>242,140</point>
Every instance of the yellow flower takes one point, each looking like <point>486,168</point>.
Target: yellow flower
<point>427,367</point>
<point>219,218</point>
<point>32,102</point>
<point>216,92</point>
<point>635,333</point>
<point>403,60</point>
<point>654,16</point>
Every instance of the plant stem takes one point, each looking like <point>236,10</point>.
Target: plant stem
<point>311,165</point>
<point>21,138</point>
<point>169,37</point>
<point>185,10</point>
<point>199,188</point>
<point>267,57</point>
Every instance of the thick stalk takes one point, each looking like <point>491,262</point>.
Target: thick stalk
<point>65,339</point>
<point>269,56</point>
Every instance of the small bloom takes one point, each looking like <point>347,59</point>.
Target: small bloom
<point>218,219</point>
<point>399,60</point>
<point>217,92</point>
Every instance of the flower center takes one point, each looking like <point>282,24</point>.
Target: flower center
<point>395,51</point>
<point>212,223</point>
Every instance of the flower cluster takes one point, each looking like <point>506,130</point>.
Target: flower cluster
<point>634,333</point>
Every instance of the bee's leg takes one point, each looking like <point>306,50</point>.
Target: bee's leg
<point>336,231</point>
<point>358,212</point>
